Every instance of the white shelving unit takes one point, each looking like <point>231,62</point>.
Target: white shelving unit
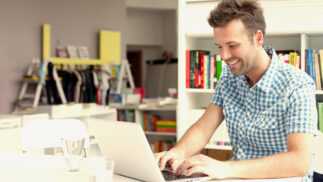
<point>164,112</point>
<point>291,24</point>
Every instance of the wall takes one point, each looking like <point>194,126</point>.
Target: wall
<point>152,30</point>
<point>72,22</point>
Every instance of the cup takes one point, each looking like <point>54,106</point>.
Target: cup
<point>100,170</point>
<point>72,152</point>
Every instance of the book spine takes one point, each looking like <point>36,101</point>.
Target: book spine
<point>218,67</point>
<point>208,71</point>
<point>310,63</point>
<point>211,72</point>
<point>188,66</point>
<point>292,58</point>
<point>192,70</point>
<point>317,72</point>
<point>197,70</point>
<point>202,71</point>
<point>320,116</point>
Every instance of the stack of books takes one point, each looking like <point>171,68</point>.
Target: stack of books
<point>168,126</point>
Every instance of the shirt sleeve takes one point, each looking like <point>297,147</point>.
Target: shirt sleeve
<point>302,112</point>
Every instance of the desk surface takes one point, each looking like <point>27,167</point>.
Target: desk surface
<point>18,167</point>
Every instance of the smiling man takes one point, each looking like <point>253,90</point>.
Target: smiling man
<point>269,107</point>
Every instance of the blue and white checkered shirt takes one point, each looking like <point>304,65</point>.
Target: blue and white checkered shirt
<point>260,118</point>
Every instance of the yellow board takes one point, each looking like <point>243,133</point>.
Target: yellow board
<point>109,50</point>
<point>110,46</point>
<point>46,41</point>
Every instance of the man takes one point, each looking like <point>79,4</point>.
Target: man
<point>269,106</point>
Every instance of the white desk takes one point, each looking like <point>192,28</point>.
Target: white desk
<point>18,167</point>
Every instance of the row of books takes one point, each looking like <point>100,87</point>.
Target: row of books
<point>291,57</point>
<point>202,69</point>
<point>159,146</point>
<point>126,115</point>
<point>314,66</point>
<point>156,124</point>
<point>320,115</point>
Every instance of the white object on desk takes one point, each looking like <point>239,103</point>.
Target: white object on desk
<point>38,134</point>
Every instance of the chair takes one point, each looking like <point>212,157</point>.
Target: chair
<point>47,134</point>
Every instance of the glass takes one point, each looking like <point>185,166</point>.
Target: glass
<point>100,170</point>
<point>72,152</point>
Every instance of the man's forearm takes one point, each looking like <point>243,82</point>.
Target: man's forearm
<point>189,145</point>
<point>287,164</point>
<point>199,134</point>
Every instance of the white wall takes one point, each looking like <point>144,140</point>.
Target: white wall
<point>152,30</point>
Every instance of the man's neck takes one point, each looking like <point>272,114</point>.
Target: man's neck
<point>260,68</point>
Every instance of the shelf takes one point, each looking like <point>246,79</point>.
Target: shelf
<point>218,147</point>
<point>157,109</point>
<point>319,92</point>
<point>159,133</point>
<point>109,49</point>
<point>56,60</point>
<point>198,90</point>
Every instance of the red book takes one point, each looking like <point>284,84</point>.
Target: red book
<point>188,66</point>
<point>202,70</point>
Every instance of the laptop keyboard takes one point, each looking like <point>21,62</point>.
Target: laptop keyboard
<point>168,176</point>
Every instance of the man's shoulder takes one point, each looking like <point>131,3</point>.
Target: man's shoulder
<point>291,76</point>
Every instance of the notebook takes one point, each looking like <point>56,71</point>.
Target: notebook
<point>127,144</point>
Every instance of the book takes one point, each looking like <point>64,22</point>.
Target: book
<point>310,63</point>
<point>320,57</point>
<point>212,71</point>
<point>292,58</point>
<point>320,116</point>
<point>83,52</point>
<point>218,67</point>
<point>317,72</point>
<point>202,71</point>
<point>188,57</point>
<point>207,75</point>
<point>192,69</point>
<point>72,52</point>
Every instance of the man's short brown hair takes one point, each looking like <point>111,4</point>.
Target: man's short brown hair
<point>248,11</point>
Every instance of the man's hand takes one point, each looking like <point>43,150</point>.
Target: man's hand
<point>204,164</point>
<point>170,157</point>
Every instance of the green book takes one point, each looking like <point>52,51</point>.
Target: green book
<point>218,67</point>
<point>320,116</point>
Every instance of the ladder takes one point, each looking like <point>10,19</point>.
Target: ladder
<point>125,75</point>
<point>36,68</point>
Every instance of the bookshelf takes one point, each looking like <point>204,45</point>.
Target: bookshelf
<point>291,25</point>
<point>152,136</point>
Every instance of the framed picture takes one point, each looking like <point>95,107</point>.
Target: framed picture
<point>72,52</point>
<point>83,52</point>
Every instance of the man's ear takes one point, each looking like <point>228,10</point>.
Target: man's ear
<point>259,38</point>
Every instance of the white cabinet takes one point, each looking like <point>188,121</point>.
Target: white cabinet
<point>291,25</point>
<point>136,114</point>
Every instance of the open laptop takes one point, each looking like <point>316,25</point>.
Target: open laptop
<point>127,144</point>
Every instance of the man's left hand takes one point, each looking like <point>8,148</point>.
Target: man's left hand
<point>206,165</point>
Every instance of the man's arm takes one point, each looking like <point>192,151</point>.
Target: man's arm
<point>293,163</point>
<point>194,139</point>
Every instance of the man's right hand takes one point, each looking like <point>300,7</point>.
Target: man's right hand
<point>170,157</point>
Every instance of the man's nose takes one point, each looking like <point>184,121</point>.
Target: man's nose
<point>225,54</point>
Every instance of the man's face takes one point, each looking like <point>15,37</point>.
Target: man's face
<point>235,47</point>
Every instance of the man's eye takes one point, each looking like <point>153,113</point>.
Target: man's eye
<point>219,47</point>
<point>233,46</point>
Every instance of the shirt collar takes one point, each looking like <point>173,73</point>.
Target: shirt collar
<point>266,80</point>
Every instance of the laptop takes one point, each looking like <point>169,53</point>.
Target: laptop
<point>127,144</point>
